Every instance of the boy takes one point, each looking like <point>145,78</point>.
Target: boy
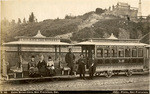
<point>81,67</point>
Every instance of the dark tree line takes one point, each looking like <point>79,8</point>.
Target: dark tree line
<point>99,11</point>
<point>32,19</point>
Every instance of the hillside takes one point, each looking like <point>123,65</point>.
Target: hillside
<point>89,25</point>
<point>49,28</point>
<point>121,28</point>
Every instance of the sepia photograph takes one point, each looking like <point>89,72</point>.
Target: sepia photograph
<point>75,46</point>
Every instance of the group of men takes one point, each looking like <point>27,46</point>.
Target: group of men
<point>44,68</point>
<point>83,63</point>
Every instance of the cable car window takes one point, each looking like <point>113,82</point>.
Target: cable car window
<point>148,52</point>
<point>87,53</point>
<point>106,53</point>
<point>121,52</point>
<point>114,52</point>
<point>140,52</point>
<point>99,52</point>
<point>83,52</point>
<point>127,52</point>
<point>134,52</point>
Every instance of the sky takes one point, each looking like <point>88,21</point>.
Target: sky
<point>52,9</point>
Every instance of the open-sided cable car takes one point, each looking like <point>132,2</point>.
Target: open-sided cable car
<point>17,54</point>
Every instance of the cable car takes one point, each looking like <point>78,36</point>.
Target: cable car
<point>18,53</point>
<point>115,55</point>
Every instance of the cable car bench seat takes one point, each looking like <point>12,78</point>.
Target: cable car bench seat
<point>25,70</point>
<point>65,69</point>
<point>15,72</point>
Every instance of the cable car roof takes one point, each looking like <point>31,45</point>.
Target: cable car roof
<point>112,40</point>
<point>35,43</point>
<point>110,43</point>
<point>38,39</point>
<point>148,45</point>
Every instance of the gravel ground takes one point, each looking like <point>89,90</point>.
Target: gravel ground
<point>135,82</point>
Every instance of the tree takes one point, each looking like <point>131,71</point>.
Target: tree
<point>36,20</point>
<point>139,33</point>
<point>148,17</point>
<point>123,34</point>
<point>99,10</point>
<point>13,22</point>
<point>5,22</point>
<point>32,18</point>
<point>19,21</point>
<point>24,21</point>
<point>67,17</point>
<point>106,35</point>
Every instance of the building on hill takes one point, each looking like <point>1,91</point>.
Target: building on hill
<point>123,10</point>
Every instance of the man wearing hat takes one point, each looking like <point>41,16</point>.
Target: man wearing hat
<point>42,66</point>
<point>92,66</point>
<point>70,58</point>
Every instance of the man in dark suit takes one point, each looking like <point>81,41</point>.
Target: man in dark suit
<point>92,66</point>
<point>42,66</point>
<point>70,58</point>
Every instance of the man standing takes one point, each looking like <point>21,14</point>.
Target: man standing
<point>70,58</point>
<point>92,66</point>
<point>81,68</point>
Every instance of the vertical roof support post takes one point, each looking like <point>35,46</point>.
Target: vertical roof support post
<point>19,56</point>
<point>117,51</point>
<point>124,51</point>
<point>82,49</point>
<point>3,70</point>
<point>55,52</point>
<point>95,51</point>
<point>59,56</point>
<point>149,55</point>
<point>90,51</point>
<point>137,51</point>
<point>110,54</point>
<point>103,52</point>
<point>86,52</point>
<point>130,52</point>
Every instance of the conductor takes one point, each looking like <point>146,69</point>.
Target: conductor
<point>70,58</point>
